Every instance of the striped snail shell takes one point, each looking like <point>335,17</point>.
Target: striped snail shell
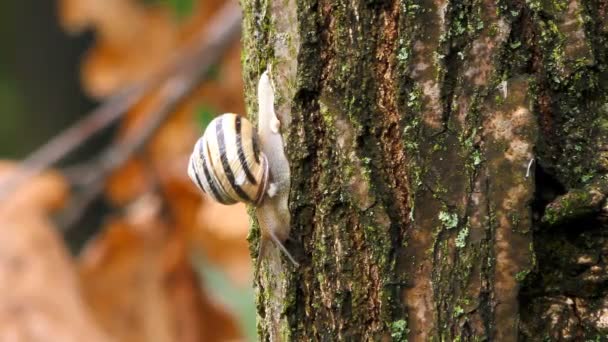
<point>227,163</point>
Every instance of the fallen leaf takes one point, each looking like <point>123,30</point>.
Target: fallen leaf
<point>142,287</point>
<point>41,299</point>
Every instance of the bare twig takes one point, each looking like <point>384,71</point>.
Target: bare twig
<point>68,140</point>
<point>179,76</point>
<point>190,70</point>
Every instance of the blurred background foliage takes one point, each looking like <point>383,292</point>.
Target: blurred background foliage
<point>40,91</point>
<point>181,8</point>
<point>58,61</point>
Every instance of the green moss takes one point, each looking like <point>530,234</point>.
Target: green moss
<point>575,204</point>
<point>415,100</point>
<point>515,219</point>
<point>493,31</point>
<point>458,311</point>
<point>285,333</point>
<point>404,54</point>
<point>461,239</point>
<point>254,233</point>
<point>521,275</point>
<point>328,116</point>
<point>399,330</point>
<point>534,5</point>
<point>449,220</point>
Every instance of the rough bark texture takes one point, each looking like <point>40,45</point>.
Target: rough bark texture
<point>448,164</point>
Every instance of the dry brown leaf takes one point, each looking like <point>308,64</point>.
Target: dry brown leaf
<point>222,233</point>
<point>43,194</point>
<point>41,300</point>
<point>132,40</point>
<point>130,181</point>
<point>142,287</point>
<point>217,231</point>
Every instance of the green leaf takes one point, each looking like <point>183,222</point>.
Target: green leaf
<point>204,115</point>
<point>214,72</point>
<point>181,8</point>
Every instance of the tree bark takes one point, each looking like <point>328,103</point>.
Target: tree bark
<point>448,168</point>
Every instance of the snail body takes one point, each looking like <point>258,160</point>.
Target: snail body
<point>232,162</point>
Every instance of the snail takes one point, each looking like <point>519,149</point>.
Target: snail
<point>232,162</point>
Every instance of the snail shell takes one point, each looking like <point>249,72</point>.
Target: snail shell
<point>227,163</point>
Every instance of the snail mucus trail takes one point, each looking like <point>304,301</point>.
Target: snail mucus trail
<point>232,163</point>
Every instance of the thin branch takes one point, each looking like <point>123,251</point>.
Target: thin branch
<point>61,145</point>
<point>190,71</point>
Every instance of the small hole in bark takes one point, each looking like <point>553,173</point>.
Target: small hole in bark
<point>547,189</point>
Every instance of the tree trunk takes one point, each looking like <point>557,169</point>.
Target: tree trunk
<point>448,164</point>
